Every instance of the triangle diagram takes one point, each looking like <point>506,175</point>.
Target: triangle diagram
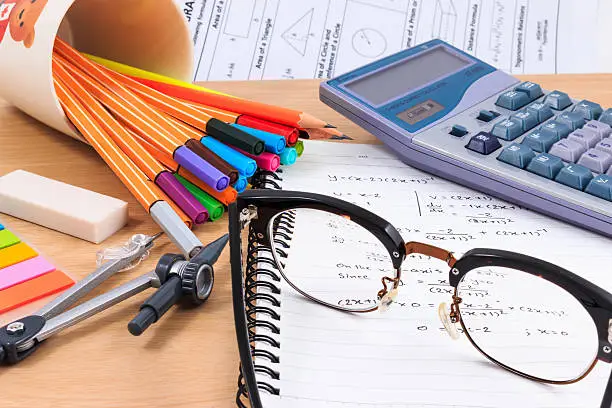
<point>298,34</point>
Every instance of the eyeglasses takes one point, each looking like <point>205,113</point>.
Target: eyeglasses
<point>526,315</point>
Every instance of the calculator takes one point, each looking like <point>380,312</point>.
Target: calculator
<point>450,114</point>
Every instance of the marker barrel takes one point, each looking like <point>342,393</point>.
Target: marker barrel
<point>212,158</point>
<point>182,197</point>
<point>290,134</point>
<point>289,156</point>
<point>245,165</point>
<point>234,137</point>
<point>274,143</point>
<point>201,168</point>
<point>241,184</point>
<point>228,196</point>
<point>214,207</point>
<point>175,228</point>
<point>267,161</point>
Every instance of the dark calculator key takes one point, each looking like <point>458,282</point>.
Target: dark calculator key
<point>606,117</point>
<point>483,143</point>
<point>458,130</point>
<point>558,100</point>
<point>513,100</point>
<point>545,165</point>
<point>596,160</point>
<point>541,110</point>
<point>573,120</point>
<point>567,150</point>
<point>517,155</point>
<point>586,137</point>
<point>603,129</point>
<point>589,110</point>
<point>540,141</point>
<point>507,129</point>
<point>527,119</point>
<point>575,176</point>
<point>561,130</point>
<point>601,186</point>
<point>605,145</point>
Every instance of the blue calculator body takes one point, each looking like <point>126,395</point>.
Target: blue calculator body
<point>448,113</point>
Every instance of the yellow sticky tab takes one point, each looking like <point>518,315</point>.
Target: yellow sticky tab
<point>15,254</point>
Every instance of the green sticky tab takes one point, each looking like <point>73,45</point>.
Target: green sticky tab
<point>7,239</point>
<point>214,207</point>
<point>299,148</point>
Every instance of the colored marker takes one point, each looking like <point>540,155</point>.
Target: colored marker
<point>267,161</point>
<point>228,196</point>
<point>288,157</point>
<point>299,147</point>
<point>245,165</point>
<point>214,207</point>
<point>290,134</point>
<point>241,184</point>
<point>274,143</point>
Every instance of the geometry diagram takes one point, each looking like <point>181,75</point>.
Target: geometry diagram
<point>445,20</point>
<point>298,34</point>
<point>369,43</point>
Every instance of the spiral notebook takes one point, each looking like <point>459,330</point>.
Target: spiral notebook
<point>309,356</point>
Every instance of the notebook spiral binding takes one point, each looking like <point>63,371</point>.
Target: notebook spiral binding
<point>262,287</point>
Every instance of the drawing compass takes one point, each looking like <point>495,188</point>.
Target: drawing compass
<point>175,278</point>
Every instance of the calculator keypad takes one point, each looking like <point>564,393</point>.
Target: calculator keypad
<point>588,110</point>
<point>558,100</point>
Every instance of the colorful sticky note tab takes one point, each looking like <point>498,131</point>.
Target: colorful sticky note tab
<point>24,271</point>
<point>1,227</point>
<point>7,239</point>
<point>15,254</point>
<point>33,290</point>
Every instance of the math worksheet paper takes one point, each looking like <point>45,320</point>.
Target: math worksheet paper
<point>403,358</point>
<point>276,39</point>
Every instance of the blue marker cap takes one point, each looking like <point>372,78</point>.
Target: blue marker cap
<point>245,165</point>
<point>274,143</point>
<point>201,168</point>
<point>241,184</point>
<point>288,156</point>
<point>1,227</point>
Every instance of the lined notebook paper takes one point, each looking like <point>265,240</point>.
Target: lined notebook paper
<point>403,358</point>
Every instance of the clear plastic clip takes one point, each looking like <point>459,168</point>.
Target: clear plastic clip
<point>128,250</point>
<point>451,328</point>
<point>387,300</point>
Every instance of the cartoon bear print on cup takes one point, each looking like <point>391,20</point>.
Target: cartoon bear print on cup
<point>23,18</point>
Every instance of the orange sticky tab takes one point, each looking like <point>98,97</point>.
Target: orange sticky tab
<point>33,290</point>
<point>15,254</point>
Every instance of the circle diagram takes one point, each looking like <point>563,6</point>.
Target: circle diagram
<point>369,43</point>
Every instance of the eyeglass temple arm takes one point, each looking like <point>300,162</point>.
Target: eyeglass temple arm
<point>430,250</point>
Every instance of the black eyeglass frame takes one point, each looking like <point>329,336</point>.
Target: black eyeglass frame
<point>268,203</point>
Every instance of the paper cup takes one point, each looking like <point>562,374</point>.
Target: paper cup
<point>148,34</point>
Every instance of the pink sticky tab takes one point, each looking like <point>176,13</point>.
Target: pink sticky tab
<point>24,271</point>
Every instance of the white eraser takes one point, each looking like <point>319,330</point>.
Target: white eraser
<point>62,207</point>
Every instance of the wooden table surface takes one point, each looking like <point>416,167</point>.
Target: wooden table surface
<point>189,358</point>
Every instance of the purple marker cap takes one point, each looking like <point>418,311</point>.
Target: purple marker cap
<point>201,168</point>
<point>182,197</point>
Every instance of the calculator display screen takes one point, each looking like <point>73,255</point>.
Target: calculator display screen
<point>405,76</point>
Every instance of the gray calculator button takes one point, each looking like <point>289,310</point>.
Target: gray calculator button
<point>561,130</point>
<point>573,120</point>
<point>507,129</point>
<point>586,137</point>
<point>605,145</point>
<point>512,100</point>
<point>533,90</point>
<point>603,129</point>
<point>527,119</point>
<point>541,110</point>
<point>558,100</point>
<point>567,150</point>
<point>596,160</point>
<point>606,117</point>
<point>589,110</point>
<point>540,141</point>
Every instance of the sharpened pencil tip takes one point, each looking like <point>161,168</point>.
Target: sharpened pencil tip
<point>343,137</point>
<point>330,126</point>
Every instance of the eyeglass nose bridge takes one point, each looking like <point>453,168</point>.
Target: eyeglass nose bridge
<point>414,247</point>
